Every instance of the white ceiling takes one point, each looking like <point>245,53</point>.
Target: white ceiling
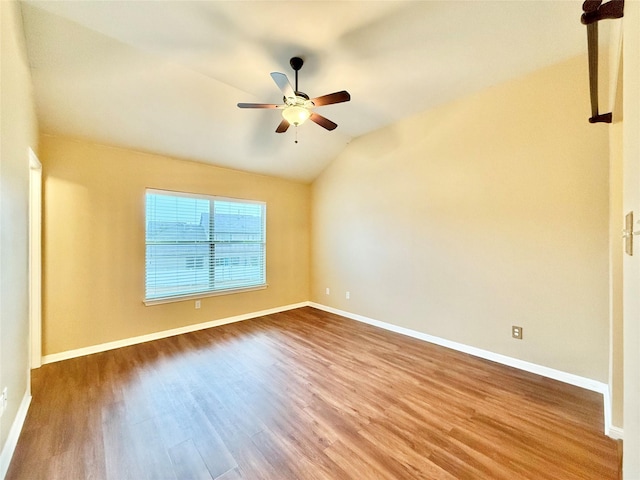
<point>165,76</point>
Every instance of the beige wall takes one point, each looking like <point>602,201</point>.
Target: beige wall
<point>485,213</point>
<point>93,266</point>
<point>18,129</point>
<point>616,247</point>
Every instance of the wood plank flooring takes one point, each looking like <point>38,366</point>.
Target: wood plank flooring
<point>305,395</point>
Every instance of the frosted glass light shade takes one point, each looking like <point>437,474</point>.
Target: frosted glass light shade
<point>295,115</point>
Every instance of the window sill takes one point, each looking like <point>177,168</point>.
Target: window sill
<point>195,296</point>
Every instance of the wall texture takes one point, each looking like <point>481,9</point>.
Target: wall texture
<point>482,214</point>
<point>93,247</point>
<point>616,248</point>
<point>18,129</point>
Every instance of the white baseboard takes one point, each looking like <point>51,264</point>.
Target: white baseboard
<point>576,380</point>
<point>616,433</point>
<point>14,434</point>
<point>57,357</point>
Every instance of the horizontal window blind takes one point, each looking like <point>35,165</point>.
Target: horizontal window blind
<point>199,244</point>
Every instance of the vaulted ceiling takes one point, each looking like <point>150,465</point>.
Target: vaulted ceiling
<point>165,76</point>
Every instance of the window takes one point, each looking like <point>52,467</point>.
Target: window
<point>198,245</point>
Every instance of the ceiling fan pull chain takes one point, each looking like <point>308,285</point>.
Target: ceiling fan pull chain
<point>296,128</point>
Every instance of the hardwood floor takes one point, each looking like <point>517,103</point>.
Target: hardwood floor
<point>305,395</point>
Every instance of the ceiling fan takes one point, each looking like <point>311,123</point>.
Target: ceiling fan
<point>297,106</point>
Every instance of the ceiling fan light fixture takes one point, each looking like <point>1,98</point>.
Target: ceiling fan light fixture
<point>296,114</point>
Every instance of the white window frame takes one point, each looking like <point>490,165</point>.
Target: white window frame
<point>170,298</point>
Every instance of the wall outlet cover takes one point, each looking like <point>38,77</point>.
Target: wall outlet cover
<point>516,332</point>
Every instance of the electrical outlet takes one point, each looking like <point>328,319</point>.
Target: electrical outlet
<point>327,291</point>
<point>348,295</point>
<point>516,332</point>
<point>197,304</point>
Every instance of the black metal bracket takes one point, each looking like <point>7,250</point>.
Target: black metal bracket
<point>602,118</point>
<point>594,11</point>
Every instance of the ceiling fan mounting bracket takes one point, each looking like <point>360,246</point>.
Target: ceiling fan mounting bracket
<point>296,63</point>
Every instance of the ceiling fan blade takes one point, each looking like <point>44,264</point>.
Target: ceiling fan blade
<point>322,121</point>
<point>283,126</point>
<point>337,97</point>
<point>283,84</point>
<point>260,105</point>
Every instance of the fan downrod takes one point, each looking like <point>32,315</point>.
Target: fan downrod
<point>296,63</point>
